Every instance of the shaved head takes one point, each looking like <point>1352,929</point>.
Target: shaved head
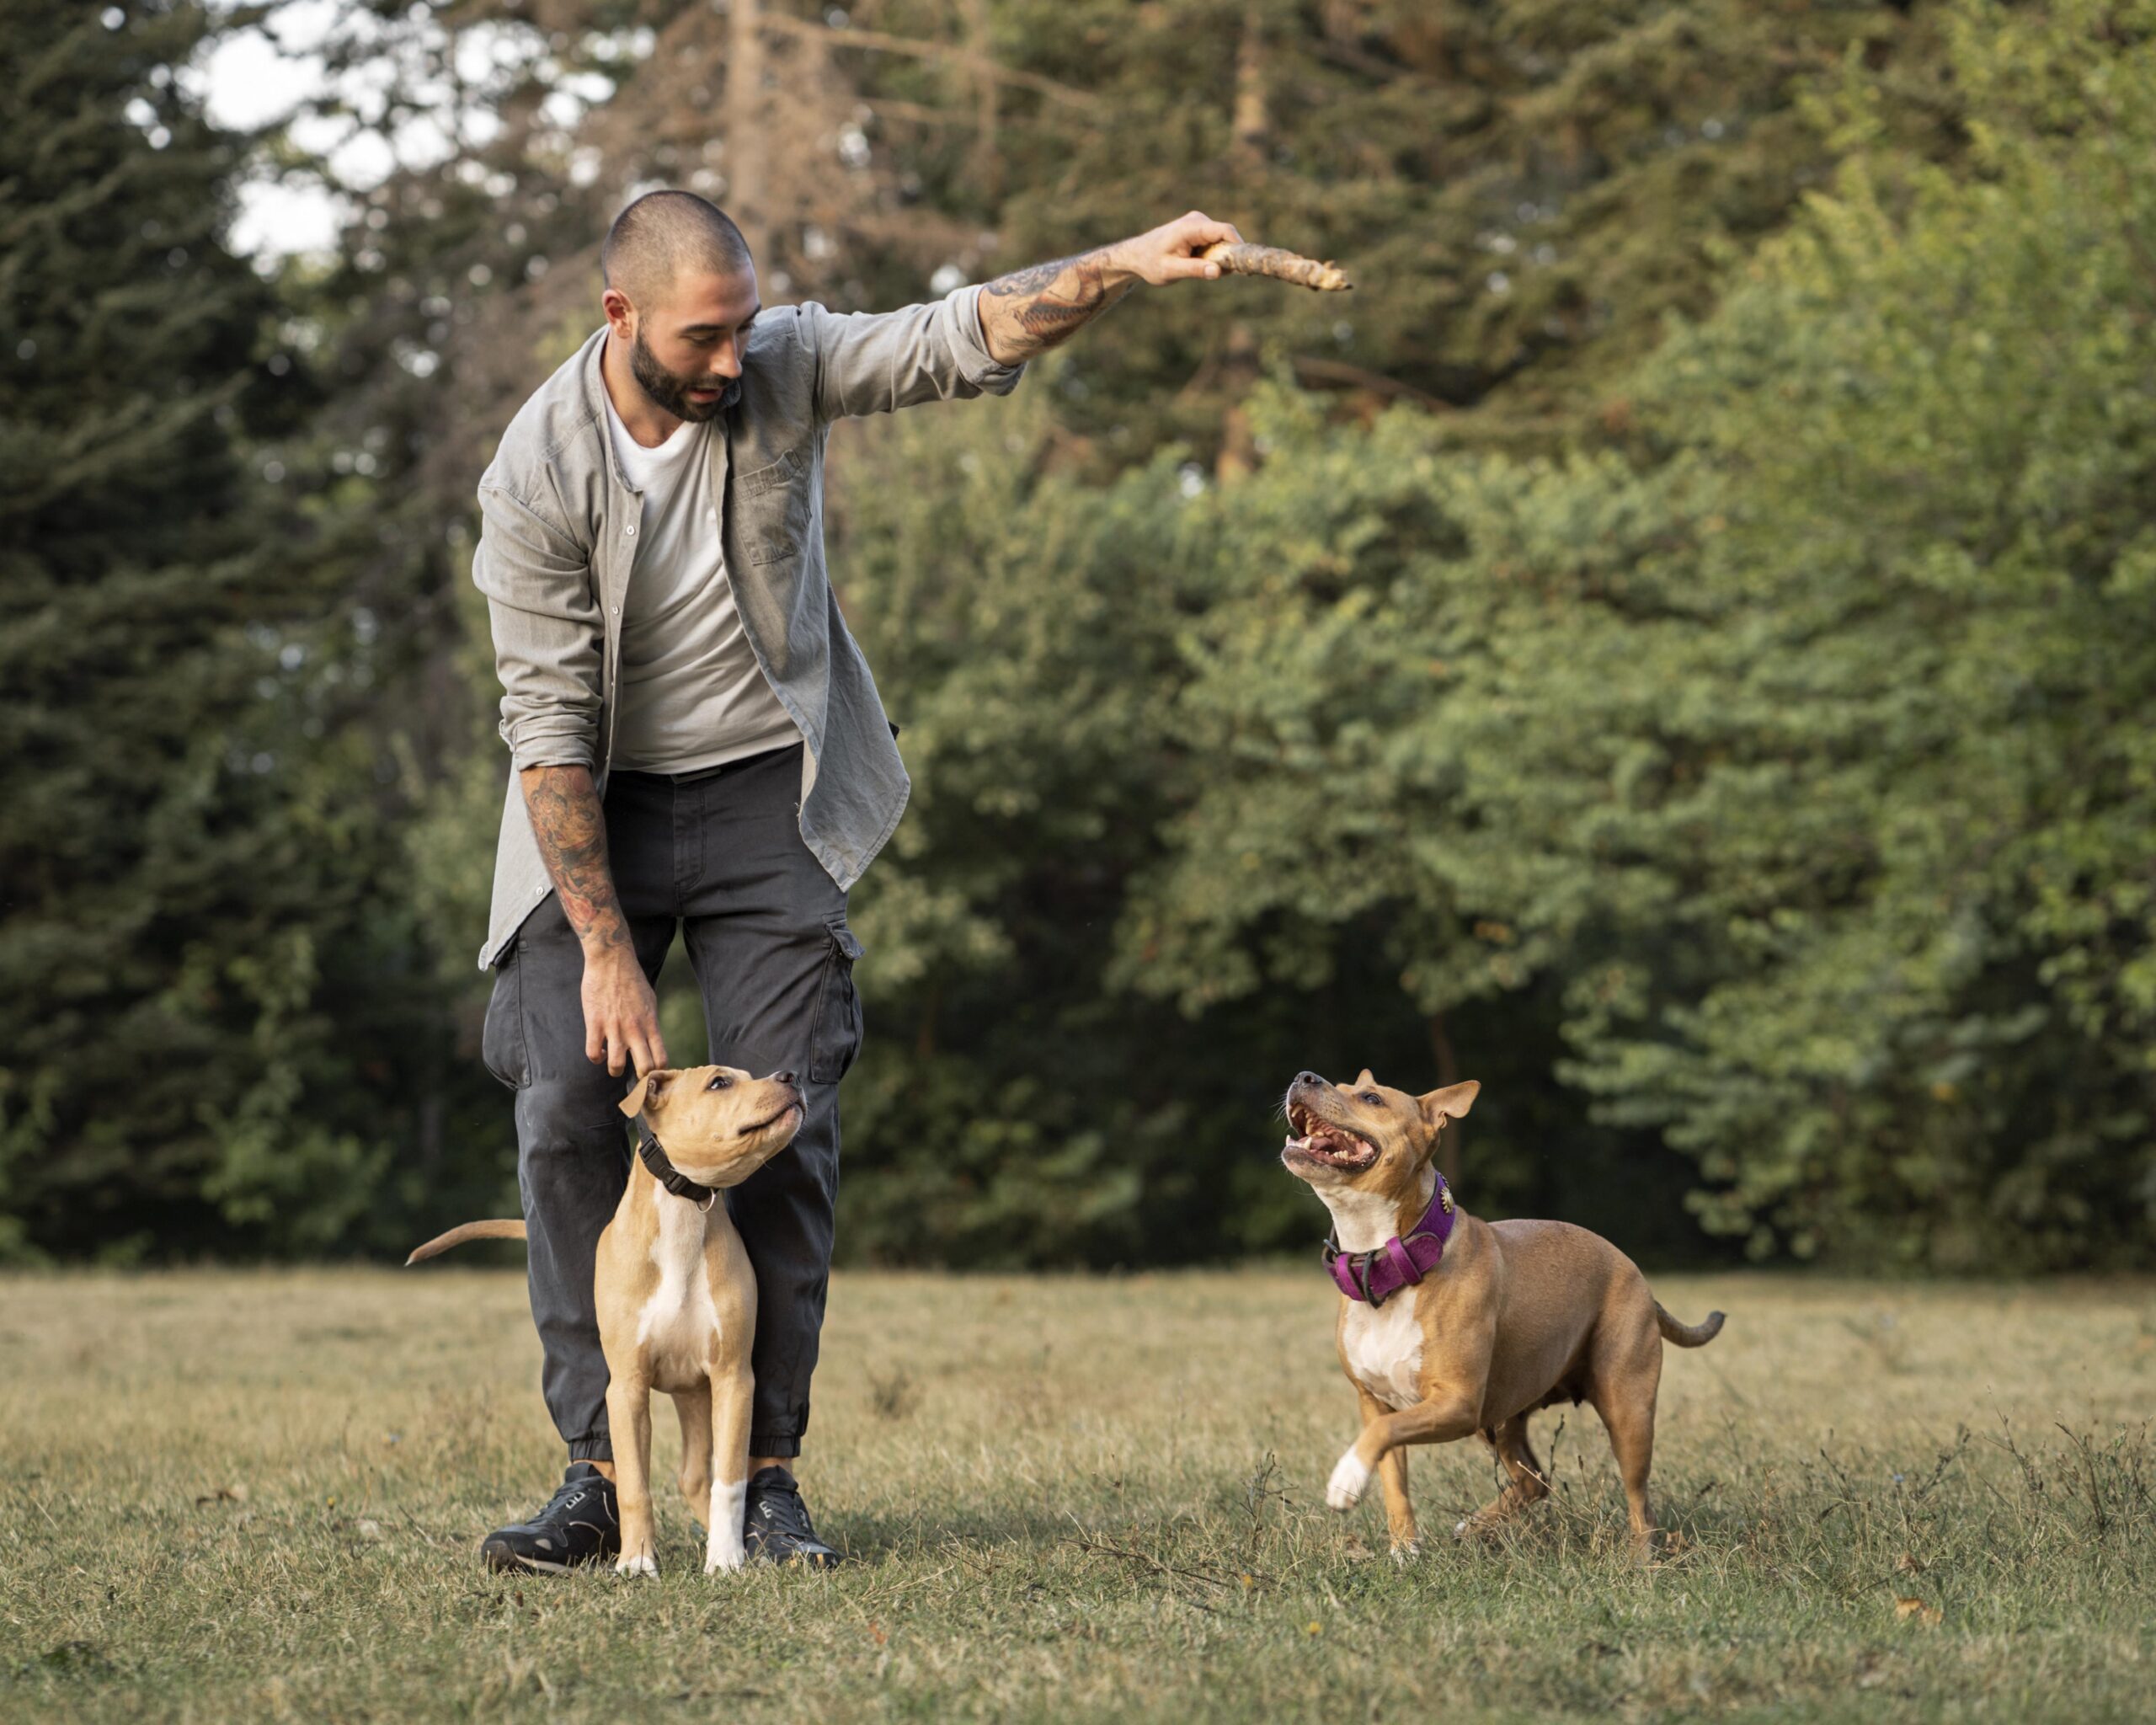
<point>664,237</point>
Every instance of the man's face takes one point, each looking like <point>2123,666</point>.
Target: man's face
<point>686,351</point>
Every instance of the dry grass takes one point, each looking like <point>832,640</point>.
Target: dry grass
<point>234,1495</point>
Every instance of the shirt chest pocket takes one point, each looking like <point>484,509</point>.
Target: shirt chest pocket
<point>777,507</point>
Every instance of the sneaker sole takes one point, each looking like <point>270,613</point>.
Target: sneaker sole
<point>794,1560</point>
<point>504,1561</point>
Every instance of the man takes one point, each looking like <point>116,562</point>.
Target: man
<point>696,740</point>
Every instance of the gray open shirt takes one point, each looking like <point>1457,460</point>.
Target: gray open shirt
<point>559,538</point>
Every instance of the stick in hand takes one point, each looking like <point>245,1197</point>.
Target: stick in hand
<point>1241,258</point>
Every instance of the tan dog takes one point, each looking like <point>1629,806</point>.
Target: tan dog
<point>677,1303</point>
<point>1511,1317</point>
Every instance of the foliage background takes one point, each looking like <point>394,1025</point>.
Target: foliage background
<point>1674,645</point>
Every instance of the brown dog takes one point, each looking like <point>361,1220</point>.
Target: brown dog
<point>1474,1325</point>
<point>677,1303</point>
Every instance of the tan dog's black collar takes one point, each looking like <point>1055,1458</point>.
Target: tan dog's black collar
<point>664,1171</point>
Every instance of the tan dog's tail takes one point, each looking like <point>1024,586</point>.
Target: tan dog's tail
<point>1683,1335</point>
<point>503,1231</point>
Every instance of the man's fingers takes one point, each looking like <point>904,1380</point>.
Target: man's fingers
<point>648,1052</point>
<point>1188,269</point>
<point>617,1052</point>
<point>1200,230</point>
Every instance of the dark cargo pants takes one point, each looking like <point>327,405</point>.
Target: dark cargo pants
<point>721,854</point>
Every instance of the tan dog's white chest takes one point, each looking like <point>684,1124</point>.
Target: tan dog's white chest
<point>678,1328</point>
<point>1383,1347</point>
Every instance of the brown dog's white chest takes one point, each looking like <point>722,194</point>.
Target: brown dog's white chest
<point>679,1330</point>
<point>1382,1348</point>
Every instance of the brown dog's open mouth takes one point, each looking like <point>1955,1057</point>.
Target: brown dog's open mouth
<point>1328,1146</point>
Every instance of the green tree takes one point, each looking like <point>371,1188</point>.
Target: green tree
<point>1799,762</point>
<point>191,998</point>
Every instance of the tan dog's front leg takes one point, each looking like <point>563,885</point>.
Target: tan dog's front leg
<point>629,1417</point>
<point>1437,1419</point>
<point>1392,1475</point>
<point>732,1396</point>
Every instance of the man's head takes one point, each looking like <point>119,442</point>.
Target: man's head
<point>680,294</point>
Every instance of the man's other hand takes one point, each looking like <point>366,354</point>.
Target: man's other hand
<point>620,1012</point>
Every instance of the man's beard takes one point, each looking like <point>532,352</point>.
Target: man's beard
<point>672,392</point>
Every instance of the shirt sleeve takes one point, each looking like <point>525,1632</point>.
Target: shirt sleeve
<point>547,629</point>
<point>873,362</point>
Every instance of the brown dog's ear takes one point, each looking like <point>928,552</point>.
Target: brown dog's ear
<point>1363,1077</point>
<point>1450,1104</point>
<point>650,1091</point>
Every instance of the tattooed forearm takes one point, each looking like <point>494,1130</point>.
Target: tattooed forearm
<point>1029,310</point>
<point>570,825</point>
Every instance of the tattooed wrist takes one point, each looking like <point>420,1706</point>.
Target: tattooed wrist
<point>569,823</point>
<point>1031,310</point>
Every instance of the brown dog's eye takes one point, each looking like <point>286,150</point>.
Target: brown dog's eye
<point>721,1082</point>
<point>1375,1101</point>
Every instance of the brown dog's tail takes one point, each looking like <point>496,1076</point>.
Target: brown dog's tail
<point>1683,1335</point>
<point>491,1230</point>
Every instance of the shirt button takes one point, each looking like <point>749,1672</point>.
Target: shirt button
<point>632,532</point>
<point>617,611</point>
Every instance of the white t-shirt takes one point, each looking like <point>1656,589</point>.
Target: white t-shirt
<point>692,694</point>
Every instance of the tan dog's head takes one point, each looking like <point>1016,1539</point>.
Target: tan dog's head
<point>718,1125</point>
<point>1364,1136</point>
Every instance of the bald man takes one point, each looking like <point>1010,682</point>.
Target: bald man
<point>697,744</point>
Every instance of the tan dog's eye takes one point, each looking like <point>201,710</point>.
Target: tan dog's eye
<point>1375,1101</point>
<point>721,1082</point>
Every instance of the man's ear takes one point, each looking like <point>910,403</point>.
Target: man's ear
<point>650,1092</point>
<point>1450,1104</point>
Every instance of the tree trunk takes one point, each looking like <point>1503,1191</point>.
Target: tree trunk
<point>745,125</point>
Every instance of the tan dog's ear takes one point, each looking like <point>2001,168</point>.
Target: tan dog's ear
<point>649,1092</point>
<point>1450,1104</point>
<point>1363,1077</point>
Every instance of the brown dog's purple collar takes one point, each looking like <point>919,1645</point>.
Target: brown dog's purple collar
<point>1375,1277</point>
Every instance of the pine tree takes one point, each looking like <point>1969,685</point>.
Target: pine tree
<point>181,865</point>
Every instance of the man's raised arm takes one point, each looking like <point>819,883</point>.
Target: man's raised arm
<point>1030,310</point>
<point>974,341</point>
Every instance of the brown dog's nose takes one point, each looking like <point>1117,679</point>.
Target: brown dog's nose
<point>1309,1078</point>
<point>783,1077</point>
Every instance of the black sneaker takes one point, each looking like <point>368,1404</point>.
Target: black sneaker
<point>776,1529</point>
<point>579,1526</point>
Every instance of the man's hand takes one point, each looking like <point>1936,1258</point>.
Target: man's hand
<point>1169,253</point>
<point>1029,310</point>
<point>621,1013</point>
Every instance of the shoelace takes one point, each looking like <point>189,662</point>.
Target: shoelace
<point>569,1496</point>
<point>781,1509</point>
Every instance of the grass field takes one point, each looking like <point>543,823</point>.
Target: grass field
<point>255,1495</point>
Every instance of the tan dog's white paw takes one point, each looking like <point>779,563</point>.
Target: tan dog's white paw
<point>726,1563</point>
<point>643,1564</point>
<point>1344,1490</point>
<point>1403,1554</point>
